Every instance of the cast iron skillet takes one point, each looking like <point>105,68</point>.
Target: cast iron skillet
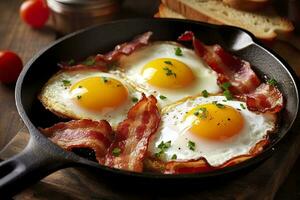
<point>41,157</point>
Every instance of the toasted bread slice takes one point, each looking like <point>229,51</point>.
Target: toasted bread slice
<point>248,5</point>
<point>264,25</point>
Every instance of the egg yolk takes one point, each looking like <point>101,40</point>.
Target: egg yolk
<point>215,121</point>
<point>168,73</point>
<point>98,93</point>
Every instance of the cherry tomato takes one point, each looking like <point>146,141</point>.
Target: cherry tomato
<point>10,66</point>
<point>35,13</point>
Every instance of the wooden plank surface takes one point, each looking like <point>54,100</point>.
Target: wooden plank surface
<point>17,37</point>
<point>262,182</point>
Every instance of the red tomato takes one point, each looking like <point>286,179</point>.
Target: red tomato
<point>34,12</point>
<point>10,66</point>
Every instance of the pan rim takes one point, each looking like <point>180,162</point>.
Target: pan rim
<point>82,161</point>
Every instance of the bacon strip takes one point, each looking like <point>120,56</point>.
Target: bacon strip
<point>132,136</point>
<point>91,62</point>
<point>103,61</point>
<point>126,48</point>
<point>265,98</point>
<point>95,135</point>
<point>244,82</point>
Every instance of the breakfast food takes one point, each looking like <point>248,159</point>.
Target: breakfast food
<point>215,112</point>
<point>209,127</point>
<point>249,5</point>
<point>265,24</point>
<point>168,75</point>
<point>75,94</point>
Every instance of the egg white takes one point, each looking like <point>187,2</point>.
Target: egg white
<point>205,78</point>
<point>174,128</point>
<point>58,98</point>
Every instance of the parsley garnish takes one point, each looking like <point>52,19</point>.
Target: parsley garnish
<point>174,157</point>
<point>228,95</point>
<point>78,97</point>
<point>105,79</point>
<point>116,151</point>
<point>219,105</point>
<point>162,97</point>
<point>89,62</point>
<point>178,51</point>
<point>168,62</point>
<point>169,72</point>
<point>191,145</point>
<point>201,112</point>
<point>134,99</point>
<point>272,82</point>
<point>66,83</point>
<point>205,93</point>
<point>225,86</point>
<point>242,106</point>
<point>71,62</point>
<point>163,146</point>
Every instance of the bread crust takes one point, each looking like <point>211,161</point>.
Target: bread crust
<point>191,13</point>
<point>248,5</point>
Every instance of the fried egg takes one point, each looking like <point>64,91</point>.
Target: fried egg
<point>169,71</point>
<point>213,128</point>
<point>89,94</point>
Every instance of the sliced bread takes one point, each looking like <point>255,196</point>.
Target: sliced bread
<point>249,5</point>
<point>264,25</point>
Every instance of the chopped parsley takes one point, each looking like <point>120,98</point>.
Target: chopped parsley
<point>134,99</point>
<point>228,95</point>
<point>162,97</point>
<point>178,51</point>
<point>66,83</point>
<point>78,97</point>
<point>201,112</point>
<point>163,146</point>
<point>105,79</point>
<point>168,62</point>
<point>225,86</point>
<point>89,62</point>
<point>71,62</point>
<point>242,106</point>
<point>272,82</point>
<point>116,151</point>
<point>205,93</point>
<point>191,145</point>
<point>219,105</point>
<point>169,72</point>
<point>174,157</point>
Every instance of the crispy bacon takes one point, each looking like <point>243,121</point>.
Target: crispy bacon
<point>229,68</point>
<point>199,165</point>
<point>265,98</point>
<point>103,61</point>
<point>126,48</point>
<point>91,62</point>
<point>80,67</point>
<point>245,84</point>
<point>95,135</point>
<point>132,136</point>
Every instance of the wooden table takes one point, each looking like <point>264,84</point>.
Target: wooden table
<point>261,182</point>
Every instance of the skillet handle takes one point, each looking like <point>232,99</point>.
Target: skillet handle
<point>26,168</point>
